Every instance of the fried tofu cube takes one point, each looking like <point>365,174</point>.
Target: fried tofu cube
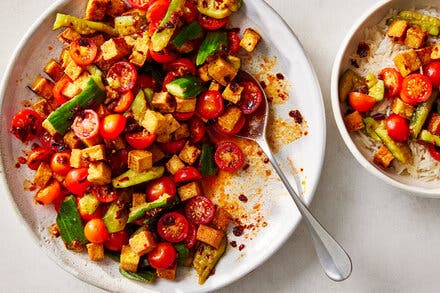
<point>43,174</point>
<point>65,58</point>
<point>95,251</point>
<point>116,7</point>
<point>210,236</point>
<point>71,140</point>
<point>43,87</point>
<point>68,36</point>
<point>181,132</point>
<point>152,121</point>
<point>189,154</point>
<point>189,190</point>
<point>397,30</point>
<point>140,160</point>
<point>98,40</point>
<point>71,90</point>
<point>117,143</point>
<point>168,127</point>
<point>229,119</point>
<point>435,54</point>
<point>407,62</point>
<point>164,102</point>
<point>185,105</point>
<point>221,219</point>
<point>235,61</point>
<point>76,160</point>
<point>138,199</point>
<point>42,107</point>
<point>232,92</point>
<point>203,73</point>
<point>115,49</point>
<point>222,71</point>
<point>96,9</point>
<point>73,70</point>
<point>157,153</point>
<point>434,124</point>
<point>94,153</point>
<point>137,58</point>
<point>250,40</point>
<point>424,54</point>
<point>99,173</point>
<point>383,157</point>
<point>401,108</point>
<point>142,242</point>
<point>54,70</point>
<point>82,80</point>
<point>169,273</point>
<point>129,259</point>
<point>415,37</point>
<point>214,86</point>
<point>140,51</point>
<point>354,122</point>
<point>102,63</point>
<point>174,164</point>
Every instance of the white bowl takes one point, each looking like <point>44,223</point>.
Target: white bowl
<point>372,17</point>
<point>276,206</point>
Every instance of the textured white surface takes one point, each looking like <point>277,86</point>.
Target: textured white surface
<point>393,237</point>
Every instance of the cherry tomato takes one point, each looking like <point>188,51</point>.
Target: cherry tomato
<point>124,102</point>
<point>361,102</point>
<point>233,42</point>
<point>164,56</point>
<point>239,126</point>
<point>397,127</point>
<point>210,105</point>
<point>434,151</point>
<point>416,88</point>
<point>95,231</point>
<point>116,240</point>
<point>83,51</point>
<point>160,186</point>
<point>86,124</point>
<point>432,71</point>
<point>190,12</point>
<point>172,75</point>
<point>60,163</point>
<point>122,76</point>
<point>76,181</point>
<point>172,147</point>
<point>182,66</point>
<point>157,11</point>
<point>59,200</point>
<point>228,157</point>
<point>187,174</point>
<point>144,81</point>
<point>191,239</point>
<point>251,97</point>
<point>197,129</point>
<point>37,156</point>
<point>58,89</point>
<point>199,210</point>
<point>112,126</point>
<point>26,125</point>
<point>141,4</point>
<point>181,116</point>
<point>54,143</point>
<point>162,256</point>
<point>105,193</point>
<point>393,81</point>
<point>49,193</point>
<point>118,161</point>
<point>140,140</point>
<point>173,227</point>
<point>212,24</point>
<point>153,27</point>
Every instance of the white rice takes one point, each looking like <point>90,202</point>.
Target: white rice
<point>381,55</point>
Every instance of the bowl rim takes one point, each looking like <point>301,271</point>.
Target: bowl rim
<point>420,191</point>
<point>72,271</point>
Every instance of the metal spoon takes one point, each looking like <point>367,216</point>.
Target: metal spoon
<point>334,260</point>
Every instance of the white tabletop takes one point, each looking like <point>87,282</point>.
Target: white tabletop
<point>393,237</point>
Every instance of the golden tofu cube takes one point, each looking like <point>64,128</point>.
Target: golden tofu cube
<point>214,86</point>
<point>43,174</point>
<point>116,7</point>
<point>152,121</point>
<point>407,62</point>
<point>203,73</point>
<point>383,157</point>
<point>54,70</point>
<point>68,36</point>
<point>229,119</point>
<point>210,236</point>
<point>157,153</point>
<point>169,273</point>
<point>189,154</point>
<point>174,164</point>
<point>181,132</point>
<point>354,122</point>
<point>142,242</point>
<point>99,173</point>
<point>65,58</point>
<point>95,9</point>
<point>435,54</point>
<point>95,251</point>
<point>250,40</point>
<point>82,80</point>
<point>73,70</point>
<point>138,199</point>
<point>403,109</point>
<point>185,105</point>
<point>94,153</point>
<point>42,107</point>
<point>137,58</point>
<point>222,71</point>
<point>424,54</point>
<point>397,30</point>
<point>129,259</point>
<point>164,102</point>
<point>232,92</point>
<point>415,37</point>
<point>189,190</point>
<point>43,87</point>
<point>221,219</point>
<point>72,141</point>
<point>115,49</point>
<point>76,159</point>
<point>140,160</point>
<point>71,90</point>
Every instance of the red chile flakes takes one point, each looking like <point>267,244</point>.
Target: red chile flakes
<point>280,76</point>
<point>238,230</point>
<point>241,247</point>
<point>233,243</point>
<point>296,115</point>
<point>242,198</point>
<point>363,49</point>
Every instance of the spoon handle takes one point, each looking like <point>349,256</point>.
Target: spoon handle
<point>334,260</point>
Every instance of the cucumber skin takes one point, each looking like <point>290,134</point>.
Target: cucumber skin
<point>112,222</point>
<point>213,42</point>
<point>131,178</point>
<point>400,151</point>
<point>190,32</point>
<point>139,211</point>
<point>427,136</point>
<point>70,224</point>
<point>185,87</point>
<point>420,116</point>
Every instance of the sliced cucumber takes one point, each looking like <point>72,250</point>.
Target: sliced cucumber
<point>131,178</point>
<point>427,136</point>
<point>213,43</point>
<point>370,128</point>
<point>400,151</point>
<point>190,32</point>
<point>139,211</point>
<point>70,225</point>
<point>185,87</point>
<point>420,115</point>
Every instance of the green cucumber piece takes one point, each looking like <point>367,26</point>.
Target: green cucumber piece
<point>206,258</point>
<point>185,87</point>
<point>211,7</point>
<point>371,80</point>
<point>70,225</point>
<point>207,165</point>
<point>129,24</point>
<point>82,26</point>
<point>420,115</point>
<point>131,178</point>
<point>400,151</point>
<point>190,32</point>
<point>427,136</point>
<point>144,276</point>
<point>377,91</point>
<point>370,127</point>
<point>350,82</point>
<point>182,252</point>
<point>115,219</point>
<point>88,204</point>
<point>139,211</point>
<point>139,106</point>
<point>213,43</point>
<point>429,23</point>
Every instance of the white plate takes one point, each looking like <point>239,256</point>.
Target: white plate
<point>278,209</point>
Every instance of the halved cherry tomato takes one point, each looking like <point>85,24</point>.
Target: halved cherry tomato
<point>190,12</point>
<point>182,66</point>
<point>160,186</point>
<point>55,142</point>
<point>140,140</point>
<point>212,24</point>
<point>172,75</point>
<point>416,88</point>
<point>112,126</point>
<point>361,102</point>
<point>86,124</point>
<point>197,129</point>
<point>162,256</point>
<point>199,210</point>
<point>239,126</point>
<point>26,125</point>
<point>157,11</point>
<point>116,240</point>
<point>58,88</point>
<point>124,102</point>
<point>397,127</point>
<point>191,239</point>
<point>164,56</point>
<point>83,51</point>
<point>144,81</point>
<point>173,227</point>
<point>210,105</point>
<point>49,193</point>
<point>251,97</point>
<point>233,42</point>
<point>228,156</point>
<point>141,4</point>
<point>60,163</point>
<point>432,71</point>
<point>172,147</point>
<point>76,181</point>
<point>122,76</point>
<point>37,156</point>
<point>186,174</point>
<point>95,231</point>
<point>434,151</point>
<point>105,193</point>
<point>393,81</point>
<point>181,116</point>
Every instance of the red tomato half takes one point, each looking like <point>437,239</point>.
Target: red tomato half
<point>162,256</point>
<point>416,88</point>
<point>182,66</point>
<point>144,81</point>
<point>26,125</point>
<point>86,124</point>
<point>181,116</point>
<point>239,126</point>
<point>157,11</point>
<point>212,24</point>
<point>118,161</point>
<point>393,81</point>
<point>197,129</point>
<point>83,51</point>
<point>199,210</point>
<point>432,71</point>
<point>116,240</point>
<point>434,151</point>
<point>210,105</point>
<point>172,147</point>
<point>58,88</point>
<point>233,42</point>
<point>76,181</point>
<point>105,193</point>
<point>140,140</point>
<point>251,97</point>
<point>112,126</point>
<point>173,227</point>
<point>361,102</point>
<point>397,127</point>
<point>160,186</point>
<point>124,102</point>
<point>141,4</point>
<point>95,231</point>
<point>228,156</point>
<point>60,163</point>
<point>49,193</point>
<point>187,174</point>
<point>190,12</point>
<point>164,56</point>
<point>122,76</point>
<point>191,239</point>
